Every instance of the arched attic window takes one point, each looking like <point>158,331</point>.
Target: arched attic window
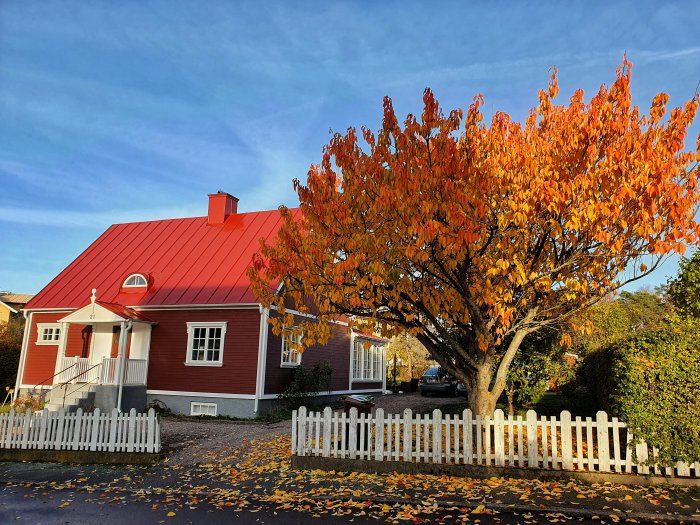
<point>135,280</point>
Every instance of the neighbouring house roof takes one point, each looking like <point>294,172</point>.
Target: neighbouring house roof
<point>186,261</point>
<point>16,298</point>
<point>14,301</point>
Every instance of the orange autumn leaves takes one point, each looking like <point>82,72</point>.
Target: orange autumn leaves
<point>445,224</point>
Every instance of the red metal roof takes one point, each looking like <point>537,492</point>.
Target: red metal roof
<point>186,262</point>
<point>123,311</point>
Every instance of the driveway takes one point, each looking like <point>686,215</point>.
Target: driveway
<point>192,441</point>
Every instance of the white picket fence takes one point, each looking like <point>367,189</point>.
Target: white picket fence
<point>599,445</point>
<point>96,431</point>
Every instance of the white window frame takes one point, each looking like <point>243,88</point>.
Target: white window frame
<point>42,329</point>
<point>367,363</point>
<point>289,363</point>
<point>190,339</point>
<point>200,405</point>
<point>133,276</point>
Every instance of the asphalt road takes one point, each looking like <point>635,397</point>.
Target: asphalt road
<point>24,505</point>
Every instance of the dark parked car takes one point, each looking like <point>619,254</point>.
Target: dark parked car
<point>461,390</point>
<point>437,381</point>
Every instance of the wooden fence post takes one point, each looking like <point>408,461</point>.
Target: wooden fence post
<point>467,435</point>
<point>132,430</point>
<point>437,436</point>
<point>567,459</point>
<point>150,432</point>
<point>295,423</point>
<point>95,429</point>
<point>301,433</point>
<point>603,444</point>
<point>327,414</point>
<point>532,460</point>
<point>352,445</point>
<point>498,438</point>
<point>25,428</point>
<point>407,435</point>
<point>379,434</point>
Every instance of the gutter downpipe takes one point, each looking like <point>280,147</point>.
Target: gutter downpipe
<point>121,358</point>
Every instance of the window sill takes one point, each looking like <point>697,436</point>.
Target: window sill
<point>48,343</point>
<point>289,365</point>
<point>204,364</point>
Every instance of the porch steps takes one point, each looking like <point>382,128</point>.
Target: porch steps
<point>76,396</point>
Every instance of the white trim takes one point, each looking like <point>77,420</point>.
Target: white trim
<point>351,370</point>
<point>134,275</point>
<point>40,327</point>
<point>368,354</point>
<point>262,357</point>
<point>23,354</point>
<point>249,396</point>
<point>8,307</point>
<point>225,306</point>
<point>310,316</point>
<point>290,364</point>
<point>332,393</point>
<point>190,333</point>
<point>199,394</point>
<point>42,310</point>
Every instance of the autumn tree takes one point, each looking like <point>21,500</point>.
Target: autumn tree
<point>684,290</point>
<point>468,234</point>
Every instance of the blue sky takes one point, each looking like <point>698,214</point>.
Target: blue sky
<point>121,111</point>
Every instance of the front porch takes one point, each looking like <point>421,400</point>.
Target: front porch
<point>101,372</point>
<point>104,357</point>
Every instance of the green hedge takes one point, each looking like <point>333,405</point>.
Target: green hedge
<point>652,382</point>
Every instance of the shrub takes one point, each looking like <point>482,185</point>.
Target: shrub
<point>10,346</point>
<point>28,402</point>
<point>305,385</point>
<point>651,381</point>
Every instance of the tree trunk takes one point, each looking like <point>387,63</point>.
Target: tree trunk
<point>511,406</point>
<point>480,398</point>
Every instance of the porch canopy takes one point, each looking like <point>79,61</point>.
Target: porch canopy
<point>107,362</point>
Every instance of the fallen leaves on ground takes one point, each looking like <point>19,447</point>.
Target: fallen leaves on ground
<point>259,472</point>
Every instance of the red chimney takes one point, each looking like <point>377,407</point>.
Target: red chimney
<point>221,205</point>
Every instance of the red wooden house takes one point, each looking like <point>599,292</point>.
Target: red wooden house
<point>163,310</point>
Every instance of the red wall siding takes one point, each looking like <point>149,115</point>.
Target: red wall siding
<point>167,370</point>
<point>41,359</point>
<point>336,352</point>
<point>79,336</point>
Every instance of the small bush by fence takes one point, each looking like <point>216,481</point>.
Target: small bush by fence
<point>596,445</point>
<point>96,431</point>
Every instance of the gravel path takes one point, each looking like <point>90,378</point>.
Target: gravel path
<point>190,441</point>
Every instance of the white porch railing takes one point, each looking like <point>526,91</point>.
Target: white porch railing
<point>134,374</point>
<point>80,370</point>
<point>564,443</point>
<point>76,370</point>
